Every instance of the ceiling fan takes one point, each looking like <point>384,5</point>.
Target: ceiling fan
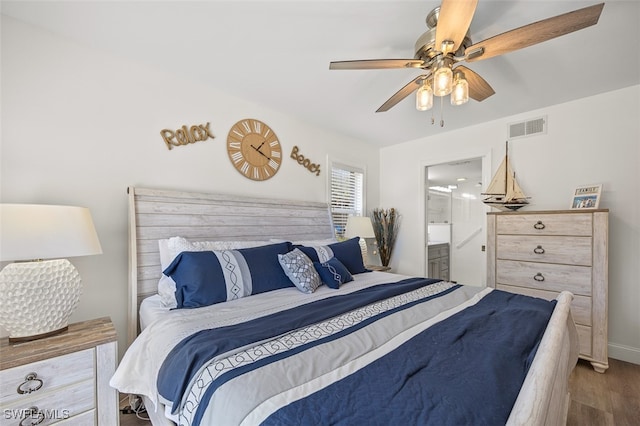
<point>446,43</point>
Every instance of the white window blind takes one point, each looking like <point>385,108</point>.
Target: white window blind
<point>347,195</point>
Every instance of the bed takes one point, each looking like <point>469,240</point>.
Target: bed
<point>331,342</point>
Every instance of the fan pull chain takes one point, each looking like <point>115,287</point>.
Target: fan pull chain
<point>441,108</point>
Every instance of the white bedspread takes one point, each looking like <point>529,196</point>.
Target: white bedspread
<point>164,329</point>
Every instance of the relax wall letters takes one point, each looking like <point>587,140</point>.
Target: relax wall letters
<point>313,168</point>
<point>184,135</point>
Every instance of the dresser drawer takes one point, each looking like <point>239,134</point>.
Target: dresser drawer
<point>580,305</point>
<point>584,339</point>
<point>544,276</point>
<point>49,374</point>
<point>54,407</point>
<point>546,249</point>
<point>578,224</point>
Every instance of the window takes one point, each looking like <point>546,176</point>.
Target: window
<point>347,195</point>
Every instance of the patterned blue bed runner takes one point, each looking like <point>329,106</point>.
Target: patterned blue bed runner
<point>467,370</point>
<point>196,350</point>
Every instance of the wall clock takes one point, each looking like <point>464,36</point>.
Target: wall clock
<point>254,149</point>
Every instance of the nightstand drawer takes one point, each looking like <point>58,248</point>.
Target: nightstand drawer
<point>546,249</point>
<point>545,276</point>
<point>579,224</point>
<point>49,374</point>
<point>52,407</point>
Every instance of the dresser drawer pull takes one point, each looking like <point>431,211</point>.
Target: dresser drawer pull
<point>538,277</point>
<point>538,250</point>
<point>34,416</point>
<point>539,225</point>
<point>31,384</point>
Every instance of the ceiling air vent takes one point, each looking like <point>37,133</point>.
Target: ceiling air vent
<point>532,127</point>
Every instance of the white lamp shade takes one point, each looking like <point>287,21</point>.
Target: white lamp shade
<point>359,226</point>
<point>38,298</point>
<point>36,231</point>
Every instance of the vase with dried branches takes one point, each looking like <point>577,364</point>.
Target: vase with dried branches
<point>385,226</point>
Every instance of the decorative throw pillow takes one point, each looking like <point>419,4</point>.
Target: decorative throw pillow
<point>207,277</point>
<point>333,273</point>
<point>299,268</point>
<point>171,247</point>
<point>347,252</point>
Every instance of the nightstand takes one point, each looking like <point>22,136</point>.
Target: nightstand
<point>378,268</point>
<point>62,377</point>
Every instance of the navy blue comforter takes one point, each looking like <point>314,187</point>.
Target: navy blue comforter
<point>467,369</point>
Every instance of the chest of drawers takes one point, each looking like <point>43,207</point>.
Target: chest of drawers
<point>62,379</point>
<point>543,253</point>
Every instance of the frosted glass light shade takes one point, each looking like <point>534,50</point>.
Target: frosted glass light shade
<point>424,97</point>
<point>442,81</point>
<point>38,297</point>
<point>460,92</point>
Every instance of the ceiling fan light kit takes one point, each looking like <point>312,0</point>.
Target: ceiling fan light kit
<point>446,43</point>
<point>460,92</point>
<point>424,96</point>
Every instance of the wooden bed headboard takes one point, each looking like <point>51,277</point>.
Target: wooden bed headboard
<point>156,214</point>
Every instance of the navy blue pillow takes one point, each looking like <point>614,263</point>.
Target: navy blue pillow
<point>348,252</point>
<point>207,277</point>
<point>333,273</point>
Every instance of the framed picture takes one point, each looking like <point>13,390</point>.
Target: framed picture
<point>586,197</point>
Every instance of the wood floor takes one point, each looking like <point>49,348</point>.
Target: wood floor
<point>609,399</point>
<point>612,398</point>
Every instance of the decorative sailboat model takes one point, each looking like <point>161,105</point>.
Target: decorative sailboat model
<point>503,192</point>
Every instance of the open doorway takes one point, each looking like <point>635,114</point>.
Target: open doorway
<point>455,220</point>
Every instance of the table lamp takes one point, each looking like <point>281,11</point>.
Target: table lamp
<point>40,290</point>
<point>360,226</point>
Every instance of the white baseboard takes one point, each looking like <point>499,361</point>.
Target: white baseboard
<point>624,353</point>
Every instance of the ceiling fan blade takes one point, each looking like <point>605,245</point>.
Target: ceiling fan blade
<point>453,23</point>
<point>371,64</point>
<point>534,33</point>
<point>479,89</point>
<point>411,87</point>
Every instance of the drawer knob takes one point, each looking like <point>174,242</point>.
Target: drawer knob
<point>539,225</point>
<point>538,250</point>
<point>33,416</point>
<point>31,384</point>
<point>538,277</point>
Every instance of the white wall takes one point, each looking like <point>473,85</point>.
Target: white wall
<point>593,140</point>
<point>79,126</point>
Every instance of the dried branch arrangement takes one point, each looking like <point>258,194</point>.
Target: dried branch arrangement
<point>385,226</point>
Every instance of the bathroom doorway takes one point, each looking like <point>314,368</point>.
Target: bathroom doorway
<point>455,221</point>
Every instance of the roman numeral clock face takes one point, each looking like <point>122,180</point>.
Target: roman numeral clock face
<point>254,149</point>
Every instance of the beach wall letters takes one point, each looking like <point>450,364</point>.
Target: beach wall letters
<point>305,162</point>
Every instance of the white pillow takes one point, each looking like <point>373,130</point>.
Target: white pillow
<point>171,247</point>
<point>308,243</point>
